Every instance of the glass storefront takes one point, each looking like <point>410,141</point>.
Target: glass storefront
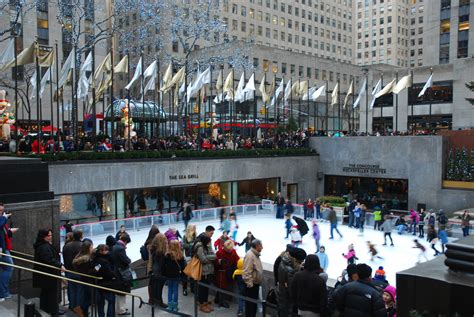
<point>87,207</point>
<point>370,191</point>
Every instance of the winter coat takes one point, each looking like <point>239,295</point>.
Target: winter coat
<point>253,269</point>
<point>302,225</point>
<point>332,217</point>
<point>359,299</point>
<point>465,220</point>
<point>106,271</point>
<point>46,253</point>
<point>323,260</point>
<point>443,236</point>
<point>308,292</point>
<point>173,269</point>
<point>286,271</point>
<point>3,235</point>
<point>70,250</point>
<point>387,226</point>
<point>350,257</point>
<point>83,264</point>
<point>225,266</point>
<point>377,215</point>
<point>295,235</point>
<point>188,246</point>
<point>316,233</point>
<point>247,242</point>
<point>121,262</point>
<point>207,256</point>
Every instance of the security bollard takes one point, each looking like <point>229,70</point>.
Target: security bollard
<point>29,309</point>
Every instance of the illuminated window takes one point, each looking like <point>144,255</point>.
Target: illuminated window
<point>43,24</point>
<point>445,26</point>
<point>464,26</point>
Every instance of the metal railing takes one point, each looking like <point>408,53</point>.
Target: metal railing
<point>110,227</point>
<point>94,308</point>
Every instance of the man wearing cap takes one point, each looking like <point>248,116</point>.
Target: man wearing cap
<point>360,298</point>
<point>290,264</point>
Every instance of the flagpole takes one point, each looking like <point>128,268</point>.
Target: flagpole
<point>38,83</point>
<point>396,105</point>
<point>412,104</point>
<point>291,103</point>
<point>299,104</point>
<point>153,128</point>
<point>233,104</point>
<point>16,95</point>
<point>94,108</point>
<point>327,107</point>
<point>209,101</point>
<point>57,97</point>
<point>339,123</point>
<point>255,107</point>
<point>381,106</point>
<point>130,117</point>
<point>51,102</point>
<point>222,95</point>
<point>431,99</point>
<point>143,128</point>
<point>353,110</point>
<point>276,110</point>
<point>366,101</point>
<point>112,112</point>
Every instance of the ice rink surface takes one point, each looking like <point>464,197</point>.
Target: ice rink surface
<point>272,233</point>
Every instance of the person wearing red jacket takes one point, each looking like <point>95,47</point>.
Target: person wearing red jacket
<point>225,265</point>
<point>5,248</point>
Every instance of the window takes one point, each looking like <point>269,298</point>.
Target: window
<point>175,46</point>
<point>243,11</point>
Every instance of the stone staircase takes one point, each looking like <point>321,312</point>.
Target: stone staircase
<point>9,308</point>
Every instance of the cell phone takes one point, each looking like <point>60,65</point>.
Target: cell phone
<point>97,267</point>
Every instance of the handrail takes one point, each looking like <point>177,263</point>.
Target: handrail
<point>59,277</point>
<point>21,253</point>
<point>52,267</point>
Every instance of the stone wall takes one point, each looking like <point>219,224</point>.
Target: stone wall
<point>418,159</point>
<point>69,178</point>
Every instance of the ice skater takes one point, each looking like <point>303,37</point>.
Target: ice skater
<point>332,217</point>
<point>296,239</point>
<point>433,239</point>
<point>351,255</point>
<point>316,234</point>
<point>373,251</point>
<point>422,249</point>
<point>288,225</point>
<point>234,227</point>
<point>387,228</point>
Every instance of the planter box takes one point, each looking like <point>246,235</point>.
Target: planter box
<point>458,185</point>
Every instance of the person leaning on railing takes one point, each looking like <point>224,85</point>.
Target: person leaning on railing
<point>46,253</point>
<point>70,250</point>
<point>82,263</point>
<point>103,263</point>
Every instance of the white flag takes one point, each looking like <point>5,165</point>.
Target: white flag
<point>309,93</point>
<point>350,92</point>
<point>201,80</point>
<point>386,90</point>
<point>375,91</point>
<point>403,83</point>
<point>83,84</point>
<point>136,75</point>
<point>8,53</point>
<point>44,80</point>
<point>335,95</point>
<point>278,92</point>
<point>428,84</point>
<point>150,70</point>
<point>318,93</point>
<point>151,83</point>
<point>239,94</point>
<point>249,90</point>
<point>69,64</point>
<point>361,92</point>
<point>288,90</point>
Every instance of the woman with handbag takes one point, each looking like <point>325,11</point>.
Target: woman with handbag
<point>188,242</point>
<point>203,251</point>
<point>122,267</point>
<point>173,271</point>
<point>158,249</point>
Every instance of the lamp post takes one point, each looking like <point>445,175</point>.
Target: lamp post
<point>275,111</point>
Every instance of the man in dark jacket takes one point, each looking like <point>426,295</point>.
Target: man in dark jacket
<point>289,265</point>
<point>105,269</point>
<point>360,298</point>
<point>308,289</point>
<point>70,250</point>
<point>122,263</point>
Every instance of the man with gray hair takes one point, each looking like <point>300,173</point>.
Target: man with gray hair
<point>252,276</point>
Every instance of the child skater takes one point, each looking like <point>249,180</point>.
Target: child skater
<point>351,255</point>
<point>288,224</point>
<point>296,239</point>
<point>422,248</point>
<point>233,227</point>
<point>373,252</point>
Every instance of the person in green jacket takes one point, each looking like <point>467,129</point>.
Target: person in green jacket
<point>377,217</point>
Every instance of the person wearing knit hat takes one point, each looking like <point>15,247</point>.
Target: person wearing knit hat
<point>237,276</point>
<point>290,264</point>
<point>390,300</point>
<point>298,253</point>
<point>380,273</point>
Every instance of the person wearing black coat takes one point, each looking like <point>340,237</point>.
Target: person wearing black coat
<point>308,289</point>
<point>70,250</point>
<point>103,263</point>
<point>360,298</point>
<point>122,263</point>
<point>46,253</point>
<point>302,225</point>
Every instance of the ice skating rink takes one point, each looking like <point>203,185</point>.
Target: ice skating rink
<point>272,233</point>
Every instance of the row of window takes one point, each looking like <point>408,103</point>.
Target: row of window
<point>317,4</point>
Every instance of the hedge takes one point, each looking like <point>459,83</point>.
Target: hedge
<point>335,201</point>
<point>94,156</point>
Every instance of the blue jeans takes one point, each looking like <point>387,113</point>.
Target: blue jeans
<point>400,229</point>
<point>84,298</point>
<point>334,227</point>
<point>242,287</point>
<point>72,290</point>
<point>5,275</point>
<point>465,231</point>
<point>103,296</point>
<point>234,235</point>
<point>173,291</point>
<point>318,213</point>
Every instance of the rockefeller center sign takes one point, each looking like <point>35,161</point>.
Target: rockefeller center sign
<point>364,169</point>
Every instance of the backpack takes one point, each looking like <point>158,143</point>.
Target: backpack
<point>431,220</point>
<point>144,253</point>
<point>443,219</point>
